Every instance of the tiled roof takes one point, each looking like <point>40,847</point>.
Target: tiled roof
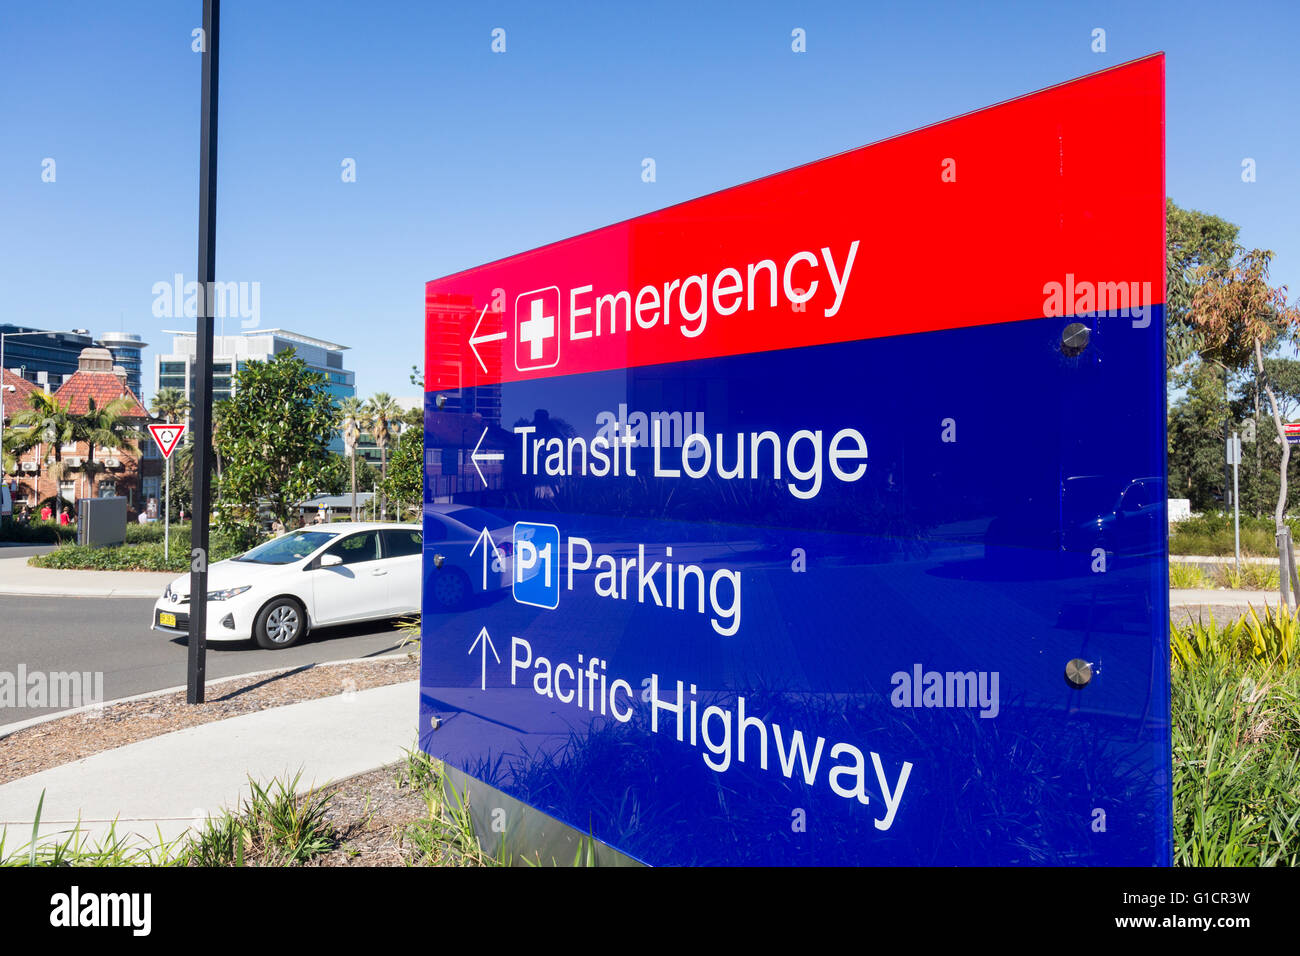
<point>16,400</point>
<point>104,387</point>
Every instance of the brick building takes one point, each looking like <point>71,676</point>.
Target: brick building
<point>122,471</point>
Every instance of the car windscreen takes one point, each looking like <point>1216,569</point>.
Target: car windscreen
<point>288,548</point>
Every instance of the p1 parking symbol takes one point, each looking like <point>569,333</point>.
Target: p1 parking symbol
<point>536,578</point>
<point>537,329</point>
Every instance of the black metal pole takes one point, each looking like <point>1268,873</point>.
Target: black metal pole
<point>203,358</point>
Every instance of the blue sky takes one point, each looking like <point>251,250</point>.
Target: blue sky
<point>464,156</point>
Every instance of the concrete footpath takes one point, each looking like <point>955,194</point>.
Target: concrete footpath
<point>17,577</point>
<point>170,783</point>
<point>1197,597</point>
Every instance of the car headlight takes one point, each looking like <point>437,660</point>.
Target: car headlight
<point>227,594</point>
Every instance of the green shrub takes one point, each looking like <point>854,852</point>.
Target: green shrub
<point>1212,533</point>
<point>1251,577</point>
<point>1268,642</point>
<point>36,532</point>
<point>1186,576</point>
<point>153,533</point>
<point>131,557</point>
<point>1236,756</point>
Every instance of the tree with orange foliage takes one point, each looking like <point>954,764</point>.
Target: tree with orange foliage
<point>1237,313</point>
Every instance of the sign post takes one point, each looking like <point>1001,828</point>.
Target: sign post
<point>763,585</point>
<point>167,437</point>
<point>1234,459</point>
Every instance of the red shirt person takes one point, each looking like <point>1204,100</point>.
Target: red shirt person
<point>46,513</point>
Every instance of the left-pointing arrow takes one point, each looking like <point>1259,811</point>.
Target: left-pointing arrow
<point>484,639</point>
<point>476,456</point>
<point>475,339</point>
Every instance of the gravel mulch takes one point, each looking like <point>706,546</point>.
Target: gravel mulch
<point>66,739</point>
<point>1223,613</point>
<point>370,812</point>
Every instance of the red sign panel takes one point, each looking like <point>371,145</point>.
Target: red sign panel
<point>1014,212</point>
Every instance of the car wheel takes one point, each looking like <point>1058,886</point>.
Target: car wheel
<point>280,624</point>
<point>450,588</point>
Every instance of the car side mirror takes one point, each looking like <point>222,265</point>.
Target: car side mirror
<point>330,561</point>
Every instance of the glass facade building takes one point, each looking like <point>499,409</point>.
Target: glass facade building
<point>44,360</point>
<point>233,352</point>
<point>127,350</point>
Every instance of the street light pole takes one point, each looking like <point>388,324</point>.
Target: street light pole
<point>197,665</point>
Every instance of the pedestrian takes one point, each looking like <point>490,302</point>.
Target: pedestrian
<point>65,518</point>
<point>46,513</point>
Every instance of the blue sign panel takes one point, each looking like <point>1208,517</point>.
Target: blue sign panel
<point>839,584</point>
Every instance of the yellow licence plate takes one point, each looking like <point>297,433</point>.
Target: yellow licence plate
<point>166,620</point>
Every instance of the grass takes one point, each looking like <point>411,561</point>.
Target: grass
<point>76,848</point>
<point>275,826</point>
<point>1251,577</point>
<point>1236,741</point>
<point>446,835</point>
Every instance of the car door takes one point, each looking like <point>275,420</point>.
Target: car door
<point>355,590</point>
<point>403,556</point>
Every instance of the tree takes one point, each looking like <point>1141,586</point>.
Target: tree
<point>46,422</point>
<point>1193,241</point>
<point>404,483</point>
<point>1244,312</point>
<point>274,440</point>
<point>351,413</point>
<point>1195,436</point>
<point>381,412</point>
<point>169,404</point>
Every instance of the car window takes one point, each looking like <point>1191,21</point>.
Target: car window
<point>288,548</point>
<point>402,544</point>
<point>356,548</point>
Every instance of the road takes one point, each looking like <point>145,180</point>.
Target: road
<point>10,550</point>
<point>112,636</point>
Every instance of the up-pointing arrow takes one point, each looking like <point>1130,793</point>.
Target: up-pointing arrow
<point>488,535</point>
<point>476,339</point>
<point>486,641</point>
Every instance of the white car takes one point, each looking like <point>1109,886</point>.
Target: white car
<point>316,576</point>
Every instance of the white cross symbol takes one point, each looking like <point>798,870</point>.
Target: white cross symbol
<point>536,328</point>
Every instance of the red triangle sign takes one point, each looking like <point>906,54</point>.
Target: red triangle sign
<point>168,436</point>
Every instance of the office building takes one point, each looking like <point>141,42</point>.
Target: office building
<point>230,353</point>
<point>45,360</point>
<point>127,350</point>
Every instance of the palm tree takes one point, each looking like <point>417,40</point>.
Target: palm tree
<point>351,415</point>
<point>46,423</point>
<point>108,426</point>
<point>380,412</point>
<point>169,404</point>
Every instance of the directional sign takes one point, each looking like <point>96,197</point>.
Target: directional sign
<point>167,437</point>
<point>772,591</point>
<point>1292,432</point>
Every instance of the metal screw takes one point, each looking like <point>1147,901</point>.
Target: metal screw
<point>1075,338</point>
<point>441,401</point>
<point>1078,673</point>
<point>435,721</point>
<point>437,560</point>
